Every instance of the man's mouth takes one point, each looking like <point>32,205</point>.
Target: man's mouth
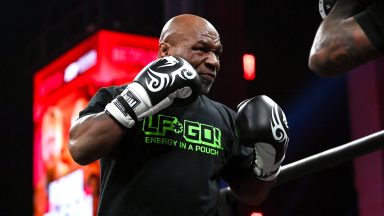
<point>208,76</point>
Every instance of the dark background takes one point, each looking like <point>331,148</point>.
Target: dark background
<point>278,33</point>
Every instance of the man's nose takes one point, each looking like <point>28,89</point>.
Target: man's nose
<point>213,60</point>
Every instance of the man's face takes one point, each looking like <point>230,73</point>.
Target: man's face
<point>202,50</point>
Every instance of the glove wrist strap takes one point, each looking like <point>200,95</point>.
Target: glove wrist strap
<point>265,167</point>
<point>112,110</point>
<point>260,174</point>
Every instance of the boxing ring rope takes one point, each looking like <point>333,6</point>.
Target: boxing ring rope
<point>314,163</point>
<point>331,157</point>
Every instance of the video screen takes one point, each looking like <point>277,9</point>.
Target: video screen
<point>61,90</point>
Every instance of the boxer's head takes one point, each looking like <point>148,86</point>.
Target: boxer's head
<point>197,41</point>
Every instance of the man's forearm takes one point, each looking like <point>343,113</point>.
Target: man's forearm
<point>251,190</point>
<point>344,9</point>
<point>340,43</point>
<point>93,136</point>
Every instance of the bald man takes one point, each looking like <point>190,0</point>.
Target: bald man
<point>164,152</point>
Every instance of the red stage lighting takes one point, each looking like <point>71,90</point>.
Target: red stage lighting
<point>249,66</point>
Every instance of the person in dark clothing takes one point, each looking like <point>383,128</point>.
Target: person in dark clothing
<point>163,144</point>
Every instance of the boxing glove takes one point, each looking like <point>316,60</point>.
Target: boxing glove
<point>153,89</point>
<point>325,7</point>
<point>261,124</point>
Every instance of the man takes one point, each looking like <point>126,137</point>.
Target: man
<point>164,145</point>
<point>350,35</point>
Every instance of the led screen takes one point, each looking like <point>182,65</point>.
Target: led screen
<point>61,90</point>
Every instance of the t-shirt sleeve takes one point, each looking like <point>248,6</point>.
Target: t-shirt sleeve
<point>371,21</point>
<point>240,158</point>
<point>98,101</point>
<point>239,164</point>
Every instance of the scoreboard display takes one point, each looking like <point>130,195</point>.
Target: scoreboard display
<point>61,90</point>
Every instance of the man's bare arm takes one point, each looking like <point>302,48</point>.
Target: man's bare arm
<point>93,136</point>
<point>340,44</point>
<point>251,190</point>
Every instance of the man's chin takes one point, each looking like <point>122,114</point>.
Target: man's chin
<point>205,87</point>
<point>205,90</point>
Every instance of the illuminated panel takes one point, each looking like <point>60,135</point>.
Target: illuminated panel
<point>61,90</point>
<point>249,66</point>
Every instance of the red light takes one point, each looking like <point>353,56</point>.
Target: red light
<point>256,214</point>
<point>249,66</point>
<point>61,90</point>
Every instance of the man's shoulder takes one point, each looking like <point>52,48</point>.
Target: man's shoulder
<point>216,104</point>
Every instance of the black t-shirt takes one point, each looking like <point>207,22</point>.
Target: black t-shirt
<point>170,163</point>
<point>371,21</point>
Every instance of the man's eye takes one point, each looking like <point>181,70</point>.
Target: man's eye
<point>202,49</point>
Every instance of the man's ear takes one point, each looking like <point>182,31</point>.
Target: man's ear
<point>163,49</point>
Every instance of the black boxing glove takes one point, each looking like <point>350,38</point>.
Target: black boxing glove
<point>262,125</point>
<point>153,89</point>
